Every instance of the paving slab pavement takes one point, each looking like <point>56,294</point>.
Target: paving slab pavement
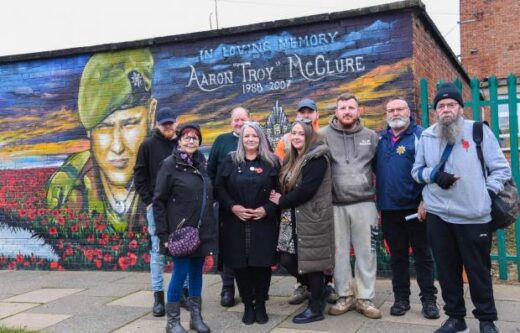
<point>99,302</point>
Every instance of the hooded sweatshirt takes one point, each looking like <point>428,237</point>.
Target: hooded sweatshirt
<point>467,201</point>
<point>353,153</point>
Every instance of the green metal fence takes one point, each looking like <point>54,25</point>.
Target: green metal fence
<point>490,108</point>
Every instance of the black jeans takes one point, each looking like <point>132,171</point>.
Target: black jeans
<point>315,281</point>
<point>228,278</point>
<point>253,283</point>
<point>226,274</point>
<point>400,235</point>
<point>455,246</point>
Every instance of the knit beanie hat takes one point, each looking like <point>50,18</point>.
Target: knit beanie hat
<point>448,90</point>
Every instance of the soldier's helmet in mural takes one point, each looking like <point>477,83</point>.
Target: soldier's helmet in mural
<point>116,108</point>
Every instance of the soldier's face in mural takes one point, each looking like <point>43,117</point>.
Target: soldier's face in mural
<point>307,113</point>
<point>397,114</point>
<point>347,112</point>
<point>238,118</point>
<point>116,140</point>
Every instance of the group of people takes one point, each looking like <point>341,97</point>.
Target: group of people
<point>304,205</point>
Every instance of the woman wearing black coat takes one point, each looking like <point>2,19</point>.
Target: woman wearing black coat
<point>183,197</point>
<point>249,231</point>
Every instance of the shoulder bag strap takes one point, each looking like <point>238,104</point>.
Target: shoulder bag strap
<point>478,136</point>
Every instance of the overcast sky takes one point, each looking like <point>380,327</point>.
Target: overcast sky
<point>33,25</point>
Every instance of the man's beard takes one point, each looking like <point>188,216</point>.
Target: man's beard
<point>398,123</point>
<point>450,130</point>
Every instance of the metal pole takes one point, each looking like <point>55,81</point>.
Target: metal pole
<point>216,13</point>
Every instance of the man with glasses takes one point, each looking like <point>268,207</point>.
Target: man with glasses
<point>457,200</point>
<point>151,153</point>
<point>399,196</point>
<point>223,145</point>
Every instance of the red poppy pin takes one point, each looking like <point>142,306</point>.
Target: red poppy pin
<point>465,144</point>
<point>259,170</point>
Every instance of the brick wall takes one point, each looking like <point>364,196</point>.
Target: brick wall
<point>430,62</point>
<point>490,37</point>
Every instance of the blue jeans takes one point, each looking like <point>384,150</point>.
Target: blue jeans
<point>156,258</point>
<point>183,268</point>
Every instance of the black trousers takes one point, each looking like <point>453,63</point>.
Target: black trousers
<point>455,246</point>
<point>226,274</point>
<point>315,281</point>
<point>253,283</point>
<point>228,278</point>
<point>400,235</point>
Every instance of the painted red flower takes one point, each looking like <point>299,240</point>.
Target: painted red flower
<point>146,258</point>
<point>100,226</point>
<point>133,244</point>
<point>61,220</point>
<point>54,265</point>
<point>75,228</point>
<point>69,251</point>
<point>98,263</point>
<point>123,263</point>
<point>108,257</point>
<point>132,258</point>
<point>31,214</point>
<point>53,231</point>
<point>19,258</point>
<point>89,254</point>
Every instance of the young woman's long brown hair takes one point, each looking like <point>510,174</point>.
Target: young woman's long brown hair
<point>294,161</point>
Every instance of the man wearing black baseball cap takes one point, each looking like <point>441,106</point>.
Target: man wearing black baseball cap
<point>150,155</point>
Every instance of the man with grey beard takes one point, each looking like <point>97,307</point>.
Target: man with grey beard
<point>457,203</point>
<point>399,196</point>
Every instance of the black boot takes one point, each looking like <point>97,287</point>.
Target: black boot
<point>227,296</point>
<point>173,323</point>
<point>158,304</point>
<point>313,312</point>
<point>249,312</point>
<point>260,312</point>
<point>196,321</point>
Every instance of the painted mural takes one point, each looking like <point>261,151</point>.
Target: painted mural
<point>70,127</point>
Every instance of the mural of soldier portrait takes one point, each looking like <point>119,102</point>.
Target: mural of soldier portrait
<point>116,107</point>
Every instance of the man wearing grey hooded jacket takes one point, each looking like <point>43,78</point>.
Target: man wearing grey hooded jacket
<point>353,149</point>
<point>457,199</point>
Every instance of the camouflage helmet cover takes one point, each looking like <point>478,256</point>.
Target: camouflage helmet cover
<point>114,81</point>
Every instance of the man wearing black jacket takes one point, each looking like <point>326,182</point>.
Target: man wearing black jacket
<point>151,153</point>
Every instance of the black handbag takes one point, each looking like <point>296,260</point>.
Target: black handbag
<point>505,205</point>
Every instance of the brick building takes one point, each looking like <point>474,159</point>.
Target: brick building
<point>490,45</point>
<point>490,37</point>
<point>57,197</point>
